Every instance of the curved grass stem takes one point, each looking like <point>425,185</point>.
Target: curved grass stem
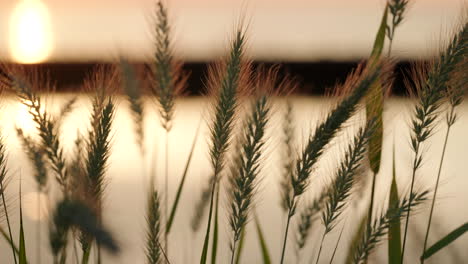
<point>408,210</point>
<point>434,196</point>
<point>320,248</point>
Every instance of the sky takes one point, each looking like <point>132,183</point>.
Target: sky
<point>279,30</point>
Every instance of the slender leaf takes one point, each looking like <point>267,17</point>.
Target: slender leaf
<point>22,244</point>
<point>380,38</point>
<point>394,232</point>
<point>182,181</point>
<point>374,110</point>
<point>263,245</point>
<point>445,241</point>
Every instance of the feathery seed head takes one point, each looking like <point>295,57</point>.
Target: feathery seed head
<point>168,78</point>
<point>153,219</point>
<point>243,183</point>
<point>344,179</point>
<point>325,132</point>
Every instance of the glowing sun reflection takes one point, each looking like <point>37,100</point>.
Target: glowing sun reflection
<point>30,32</point>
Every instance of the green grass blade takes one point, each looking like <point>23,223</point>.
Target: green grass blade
<point>214,245</point>
<point>182,181</point>
<point>394,232</point>
<point>374,110</point>
<point>445,241</point>
<point>22,245</point>
<point>374,100</point>
<point>263,245</point>
<point>380,38</point>
<point>207,237</point>
<point>241,246</point>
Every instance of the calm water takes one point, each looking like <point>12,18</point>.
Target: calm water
<point>125,195</point>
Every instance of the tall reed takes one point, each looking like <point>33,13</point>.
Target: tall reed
<point>98,147</point>
<point>169,80</point>
<point>456,92</point>
<point>316,144</point>
<point>225,81</point>
<point>3,185</point>
<point>430,97</point>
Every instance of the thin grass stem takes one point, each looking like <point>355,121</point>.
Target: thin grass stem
<point>3,176</point>
<point>285,237</point>
<point>7,218</point>
<point>435,191</point>
<point>320,248</point>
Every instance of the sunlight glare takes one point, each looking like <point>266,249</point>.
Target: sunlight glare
<point>30,32</point>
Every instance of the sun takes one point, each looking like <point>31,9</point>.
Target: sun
<point>30,32</point>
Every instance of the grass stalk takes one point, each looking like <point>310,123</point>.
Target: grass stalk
<point>324,133</point>
<point>3,177</point>
<point>374,109</point>
<point>214,242</point>
<point>2,186</point>
<point>166,191</point>
<point>435,190</point>
<point>344,180</point>
<point>337,243</point>
<point>168,83</point>
<point>456,95</point>
<point>430,98</point>
<point>221,129</point>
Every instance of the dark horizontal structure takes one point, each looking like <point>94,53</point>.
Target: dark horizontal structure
<point>314,77</point>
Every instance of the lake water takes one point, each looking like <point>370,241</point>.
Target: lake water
<point>124,203</point>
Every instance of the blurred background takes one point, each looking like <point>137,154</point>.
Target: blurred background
<point>317,40</point>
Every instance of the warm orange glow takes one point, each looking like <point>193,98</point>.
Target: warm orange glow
<point>30,32</point>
